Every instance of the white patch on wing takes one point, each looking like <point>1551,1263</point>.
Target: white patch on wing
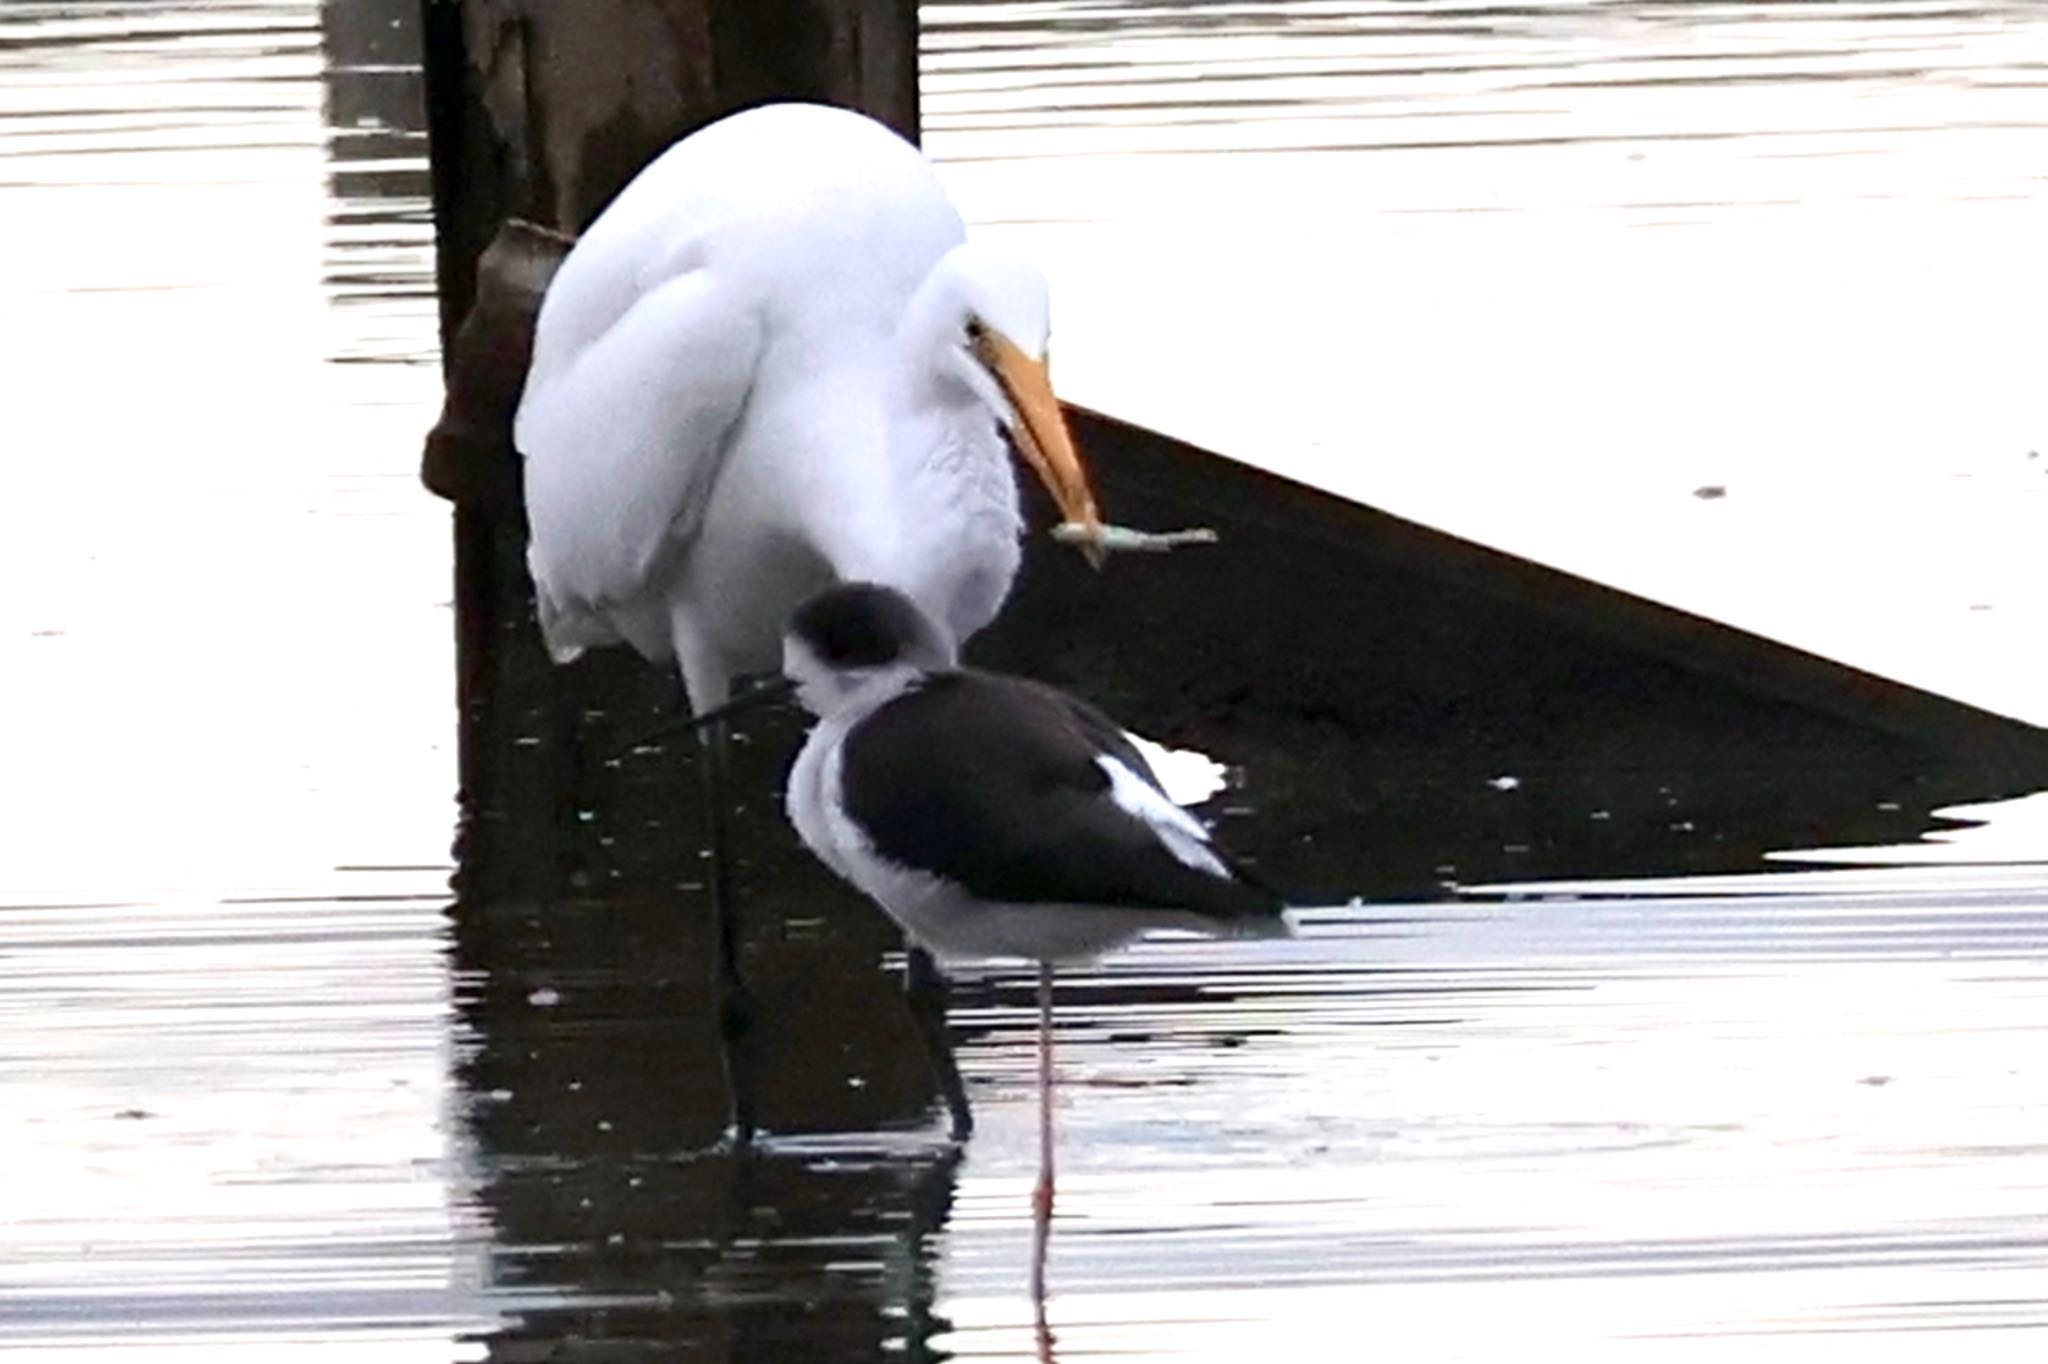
<point>1180,831</point>
<point>1189,776</point>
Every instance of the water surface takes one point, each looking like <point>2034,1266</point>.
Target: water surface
<point>264,1095</point>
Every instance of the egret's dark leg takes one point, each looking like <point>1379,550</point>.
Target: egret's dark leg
<point>926,990</point>
<point>735,1004</point>
<point>1041,1196</point>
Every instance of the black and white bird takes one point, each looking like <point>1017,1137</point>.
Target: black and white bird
<point>989,815</point>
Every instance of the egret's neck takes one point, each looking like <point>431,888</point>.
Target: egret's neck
<point>961,518</point>
<point>946,441</point>
<point>956,485</point>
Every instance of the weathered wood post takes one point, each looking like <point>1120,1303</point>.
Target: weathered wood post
<point>540,111</point>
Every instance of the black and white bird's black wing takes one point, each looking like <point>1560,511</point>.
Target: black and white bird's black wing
<point>1022,794</point>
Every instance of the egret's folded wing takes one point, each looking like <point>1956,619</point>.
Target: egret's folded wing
<point>623,430</point>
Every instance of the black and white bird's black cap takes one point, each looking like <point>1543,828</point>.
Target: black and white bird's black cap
<point>990,815</point>
<point>848,637</point>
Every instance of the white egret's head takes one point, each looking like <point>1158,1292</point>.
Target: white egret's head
<point>983,319</point>
<point>851,636</point>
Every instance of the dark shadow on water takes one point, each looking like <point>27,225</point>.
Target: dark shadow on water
<point>1409,712</point>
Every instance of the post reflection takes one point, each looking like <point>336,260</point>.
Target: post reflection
<point>591,1097</point>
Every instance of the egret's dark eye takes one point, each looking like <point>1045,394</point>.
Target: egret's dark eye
<point>975,329</point>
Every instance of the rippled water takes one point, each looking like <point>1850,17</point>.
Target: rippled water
<point>1632,1128</point>
<point>261,1095</point>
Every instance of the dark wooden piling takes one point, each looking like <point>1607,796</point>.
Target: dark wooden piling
<point>540,111</point>
<point>579,854</point>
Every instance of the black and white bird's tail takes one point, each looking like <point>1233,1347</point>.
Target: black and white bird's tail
<point>1216,890</point>
<point>1252,908</point>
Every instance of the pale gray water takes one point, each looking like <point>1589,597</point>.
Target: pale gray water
<point>240,1107</point>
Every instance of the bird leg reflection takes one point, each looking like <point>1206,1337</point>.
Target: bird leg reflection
<point>1041,1196</point>
<point>735,1004</point>
<point>925,990</point>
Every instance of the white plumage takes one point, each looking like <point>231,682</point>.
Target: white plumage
<point>775,362</point>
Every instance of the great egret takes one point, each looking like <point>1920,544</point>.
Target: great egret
<point>989,815</point>
<point>775,362</point>
<point>772,363</point>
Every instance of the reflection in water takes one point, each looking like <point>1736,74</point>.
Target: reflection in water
<point>219,1123</point>
<point>593,1095</point>
<point>1769,1111</point>
<point>1051,78</point>
<point>380,227</point>
<point>225,996</point>
<point>1696,1119</point>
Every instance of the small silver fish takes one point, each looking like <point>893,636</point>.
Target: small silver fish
<point>1123,538</point>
